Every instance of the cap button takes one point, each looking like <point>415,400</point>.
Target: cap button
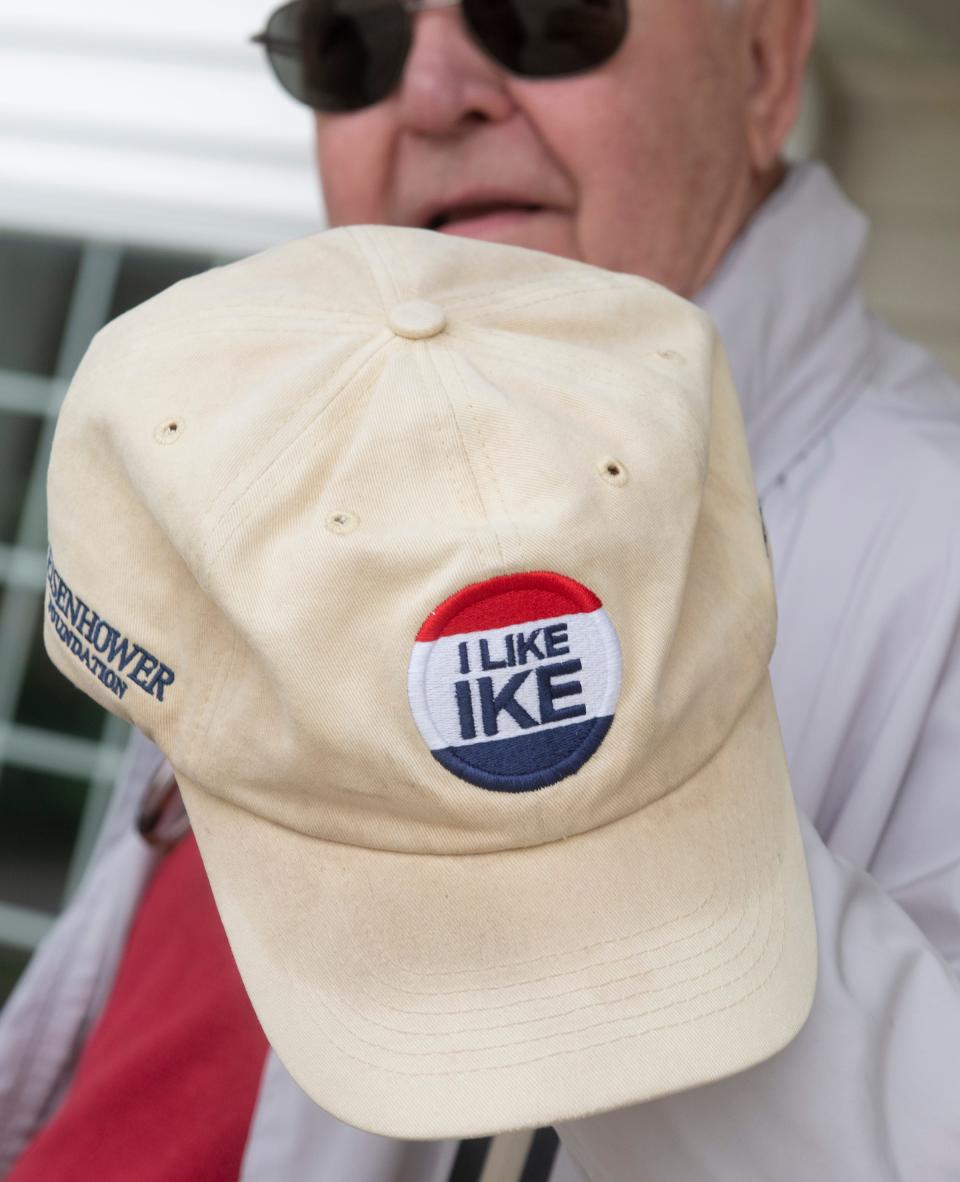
<point>416,319</point>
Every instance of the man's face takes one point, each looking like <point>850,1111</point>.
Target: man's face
<point>641,165</point>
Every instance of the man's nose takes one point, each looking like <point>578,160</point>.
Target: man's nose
<point>448,80</point>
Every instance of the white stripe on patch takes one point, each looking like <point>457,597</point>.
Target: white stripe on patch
<point>435,669</point>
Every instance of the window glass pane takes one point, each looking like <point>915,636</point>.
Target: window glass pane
<point>145,273</point>
<point>19,435</point>
<point>12,963</point>
<point>39,818</point>
<point>49,700</point>
<point>36,283</point>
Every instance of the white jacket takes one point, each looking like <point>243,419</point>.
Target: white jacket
<point>855,440</point>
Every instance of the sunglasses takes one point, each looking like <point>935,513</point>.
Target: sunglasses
<point>343,55</point>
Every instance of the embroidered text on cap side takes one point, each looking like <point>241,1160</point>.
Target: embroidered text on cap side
<point>100,646</point>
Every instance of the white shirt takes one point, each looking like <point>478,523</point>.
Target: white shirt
<point>855,440</point>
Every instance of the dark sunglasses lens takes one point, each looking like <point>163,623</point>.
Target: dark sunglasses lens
<point>338,55</point>
<point>548,38</point>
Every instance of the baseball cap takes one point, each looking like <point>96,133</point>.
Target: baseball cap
<point>436,569</point>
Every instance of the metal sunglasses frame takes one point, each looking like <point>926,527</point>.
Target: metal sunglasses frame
<point>264,38</point>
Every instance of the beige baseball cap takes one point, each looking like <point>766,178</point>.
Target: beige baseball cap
<point>436,569</point>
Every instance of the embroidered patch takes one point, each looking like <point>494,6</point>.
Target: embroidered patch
<point>513,682</point>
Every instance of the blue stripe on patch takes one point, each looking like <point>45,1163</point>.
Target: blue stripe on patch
<point>525,762</point>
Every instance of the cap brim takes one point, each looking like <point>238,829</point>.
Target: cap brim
<point>434,996</point>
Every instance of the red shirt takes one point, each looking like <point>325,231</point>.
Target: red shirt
<point>167,1082</point>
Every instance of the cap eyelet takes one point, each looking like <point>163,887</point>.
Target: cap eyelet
<point>342,522</point>
<point>169,431</point>
<point>613,471</point>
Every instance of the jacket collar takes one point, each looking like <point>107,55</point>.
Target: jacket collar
<point>789,310</point>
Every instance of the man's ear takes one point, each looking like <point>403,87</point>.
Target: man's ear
<point>775,41</point>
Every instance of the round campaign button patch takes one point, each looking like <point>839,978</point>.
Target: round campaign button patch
<point>513,681</point>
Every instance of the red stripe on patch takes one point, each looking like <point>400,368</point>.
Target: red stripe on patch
<point>506,600</point>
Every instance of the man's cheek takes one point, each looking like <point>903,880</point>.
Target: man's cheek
<point>352,162</point>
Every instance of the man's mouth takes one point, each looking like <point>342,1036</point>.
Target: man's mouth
<point>478,219</point>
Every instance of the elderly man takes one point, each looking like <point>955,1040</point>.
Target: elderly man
<point>650,142</point>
